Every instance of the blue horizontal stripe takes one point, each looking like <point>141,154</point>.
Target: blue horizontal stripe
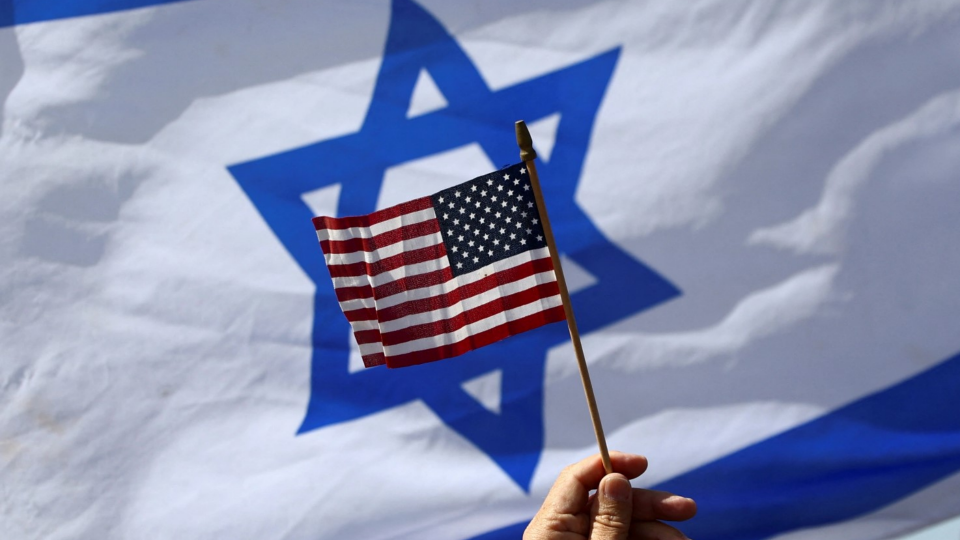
<point>850,462</point>
<point>14,12</point>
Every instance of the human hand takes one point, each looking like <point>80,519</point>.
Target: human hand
<point>617,511</point>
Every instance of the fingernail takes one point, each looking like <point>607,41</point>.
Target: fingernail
<point>617,488</point>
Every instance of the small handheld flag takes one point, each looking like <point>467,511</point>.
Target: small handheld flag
<point>438,276</point>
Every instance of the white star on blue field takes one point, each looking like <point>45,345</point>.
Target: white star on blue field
<point>513,438</point>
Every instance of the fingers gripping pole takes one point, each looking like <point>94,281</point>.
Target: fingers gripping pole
<point>528,154</point>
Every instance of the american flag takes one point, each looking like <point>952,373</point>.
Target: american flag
<point>438,276</point>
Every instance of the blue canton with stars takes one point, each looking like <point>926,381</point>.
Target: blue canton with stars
<point>474,114</point>
<point>488,219</point>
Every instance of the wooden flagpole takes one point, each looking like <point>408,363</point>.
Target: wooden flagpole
<point>528,154</point>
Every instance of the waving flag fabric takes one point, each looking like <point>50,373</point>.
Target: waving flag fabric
<point>755,204</point>
<point>438,276</point>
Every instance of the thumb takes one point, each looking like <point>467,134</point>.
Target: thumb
<point>611,509</point>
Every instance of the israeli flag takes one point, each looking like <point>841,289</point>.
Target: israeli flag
<point>756,203</point>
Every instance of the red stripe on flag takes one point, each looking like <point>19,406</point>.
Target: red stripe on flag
<point>426,279</point>
<point>362,314</point>
<point>353,293</point>
<point>479,339</point>
<point>371,360</point>
<point>392,236</point>
<point>445,326</point>
<point>323,222</point>
<point>468,290</point>
<point>367,336</point>
<point>413,282</point>
<point>387,264</point>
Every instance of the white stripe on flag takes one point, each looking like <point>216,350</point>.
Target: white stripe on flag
<point>366,348</point>
<point>357,303</point>
<point>493,321</point>
<point>464,279</point>
<point>367,324</point>
<point>370,348</point>
<point>468,303</point>
<point>392,275</point>
<point>385,251</point>
<point>376,228</point>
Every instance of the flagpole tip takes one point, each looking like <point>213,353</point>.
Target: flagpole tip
<point>527,153</point>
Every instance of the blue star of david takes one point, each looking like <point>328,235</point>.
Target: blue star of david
<point>474,114</point>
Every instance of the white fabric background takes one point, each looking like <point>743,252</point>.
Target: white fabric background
<point>155,334</point>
